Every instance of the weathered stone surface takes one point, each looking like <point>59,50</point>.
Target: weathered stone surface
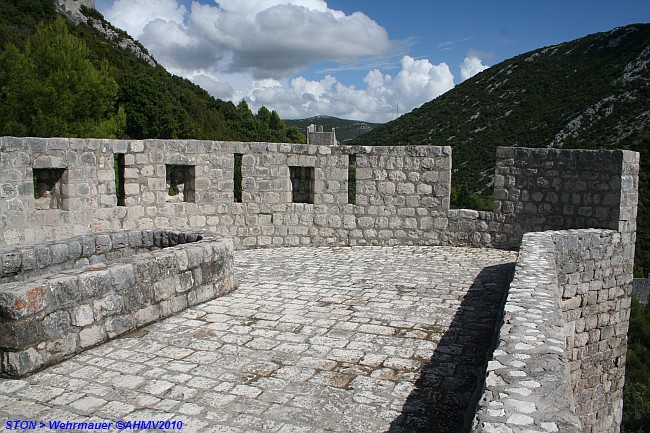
<point>402,198</point>
<point>56,324</point>
<point>21,363</point>
<point>20,300</point>
<point>555,342</point>
<point>314,339</point>
<point>59,315</point>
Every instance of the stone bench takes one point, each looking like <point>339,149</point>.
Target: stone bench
<point>60,298</point>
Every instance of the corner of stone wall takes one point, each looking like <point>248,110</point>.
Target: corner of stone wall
<point>560,360</point>
<point>528,386</point>
<point>594,270</point>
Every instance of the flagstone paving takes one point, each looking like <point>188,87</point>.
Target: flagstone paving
<point>362,339</point>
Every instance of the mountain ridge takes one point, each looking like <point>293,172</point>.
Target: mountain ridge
<point>591,93</point>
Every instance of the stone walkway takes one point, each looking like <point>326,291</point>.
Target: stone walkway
<point>369,339</point>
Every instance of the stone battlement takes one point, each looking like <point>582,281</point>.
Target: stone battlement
<point>564,334</point>
<point>275,194</point>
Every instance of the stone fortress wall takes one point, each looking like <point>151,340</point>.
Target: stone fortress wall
<point>560,358</point>
<point>301,195</point>
<point>402,193</point>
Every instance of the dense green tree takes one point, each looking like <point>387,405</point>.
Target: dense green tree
<point>295,136</point>
<point>264,117</point>
<point>51,88</point>
<point>152,110</point>
<point>275,123</point>
<point>19,18</point>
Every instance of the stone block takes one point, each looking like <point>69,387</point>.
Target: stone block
<point>18,300</point>
<point>60,253</point>
<point>173,305</point>
<point>43,256</point>
<point>201,294</point>
<point>94,283</point>
<point>21,363</point>
<point>195,256</point>
<point>145,269</point>
<point>118,325</point>
<point>122,277</point>
<point>82,315</point>
<point>75,249</point>
<point>28,260</point>
<point>64,290</point>
<point>166,288</point>
<point>56,324</point>
<point>20,334</point>
<point>147,315</point>
<point>186,282</point>
<point>120,240</point>
<point>108,306</point>
<point>60,348</point>
<point>92,336</point>
<point>103,244</point>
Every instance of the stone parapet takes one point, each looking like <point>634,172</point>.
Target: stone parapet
<point>58,198</point>
<point>51,312</point>
<point>560,360</point>
<point>355,195</point>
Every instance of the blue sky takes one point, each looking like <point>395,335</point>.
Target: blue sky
<point>357,59</point>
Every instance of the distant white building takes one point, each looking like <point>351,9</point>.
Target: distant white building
<point>315,135</point>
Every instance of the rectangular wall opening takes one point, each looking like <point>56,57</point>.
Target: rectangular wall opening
<point>237,177</point>
<point>352,179</point>
<point>180,183</point>
<point>302,184</point>
<point>48,187</point>
<point>119,166</point>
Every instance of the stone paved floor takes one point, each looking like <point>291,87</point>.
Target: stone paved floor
<point>369,339</point>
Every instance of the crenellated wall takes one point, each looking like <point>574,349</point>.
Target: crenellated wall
<point>554,189</point>
<point>402,193</point>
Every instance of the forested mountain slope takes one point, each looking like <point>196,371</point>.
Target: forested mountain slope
<point>157,104</point>
<point>591,93</point>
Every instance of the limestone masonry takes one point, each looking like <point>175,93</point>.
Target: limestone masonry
<point>59,298</point>
<point>565,320</point>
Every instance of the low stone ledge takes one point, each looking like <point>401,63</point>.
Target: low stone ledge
<point>24,263</point>
<point>528,384</point>
<point>51,316</point>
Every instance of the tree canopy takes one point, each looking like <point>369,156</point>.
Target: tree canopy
<point>51,88</point>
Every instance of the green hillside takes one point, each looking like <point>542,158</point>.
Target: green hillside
<point>590,93</point>
<point>346,130</point>
<point>156,103</point>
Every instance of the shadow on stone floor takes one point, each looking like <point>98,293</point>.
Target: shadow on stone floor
<point>447,383</point>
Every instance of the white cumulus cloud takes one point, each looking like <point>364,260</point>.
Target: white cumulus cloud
<point>418,82</point>
<point>267,38</point>
<point>134,15</point>
<point>471,66</point>
<point>257,49</point>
